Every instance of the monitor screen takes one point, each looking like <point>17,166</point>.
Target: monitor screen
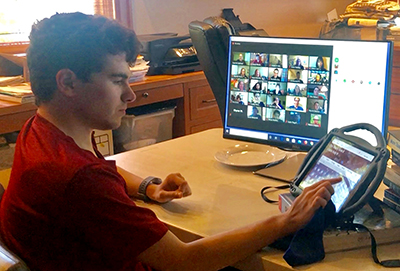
<point>290,92</point>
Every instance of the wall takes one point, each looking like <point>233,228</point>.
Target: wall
<point>300,18</point>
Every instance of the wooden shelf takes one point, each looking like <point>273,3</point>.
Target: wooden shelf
<point>185,89</point>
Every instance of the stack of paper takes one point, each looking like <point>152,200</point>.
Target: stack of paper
<point>19,93</point>
<point>11,80</point>
<point>139,70</point>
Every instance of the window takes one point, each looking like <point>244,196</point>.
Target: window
<point>16,22</point>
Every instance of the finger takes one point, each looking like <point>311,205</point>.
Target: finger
<point>176,176</point>
<point>320,202</point>
<point>325,183</point>
<point>180,175</point>
<point>170,195</point>
<point>185,189</point>
<point>333,180</point>
<point>325,194</point>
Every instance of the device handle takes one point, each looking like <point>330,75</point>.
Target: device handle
<point>381,143</point>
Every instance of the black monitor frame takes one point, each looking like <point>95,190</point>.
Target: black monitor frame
<point>287,134</point>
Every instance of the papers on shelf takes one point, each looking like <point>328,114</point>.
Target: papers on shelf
<point>139,71</point>
<point>11,80</point>
<point>19,93</point>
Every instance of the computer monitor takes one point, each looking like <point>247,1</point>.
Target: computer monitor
<point>290,92</point>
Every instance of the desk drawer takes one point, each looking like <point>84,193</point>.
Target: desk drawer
<point>154,95</point>
<point>203,103</point>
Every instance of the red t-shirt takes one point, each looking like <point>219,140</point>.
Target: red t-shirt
<point>66,209</point>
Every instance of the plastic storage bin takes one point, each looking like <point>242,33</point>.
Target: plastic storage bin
<point>142,130</point>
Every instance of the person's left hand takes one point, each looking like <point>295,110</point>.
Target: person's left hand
<point>173,187</point>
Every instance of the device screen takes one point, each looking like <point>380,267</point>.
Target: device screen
<point>340,158</point>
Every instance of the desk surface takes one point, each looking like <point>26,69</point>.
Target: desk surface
<point>224,198</point>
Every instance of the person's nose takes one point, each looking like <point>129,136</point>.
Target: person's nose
<point>129,95</point>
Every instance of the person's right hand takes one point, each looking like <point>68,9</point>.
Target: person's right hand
<point>309,201</point>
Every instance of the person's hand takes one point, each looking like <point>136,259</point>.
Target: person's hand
<point>173,187</point>
<point>309,201</point>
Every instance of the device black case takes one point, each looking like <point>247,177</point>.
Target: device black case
<point>371,180</point>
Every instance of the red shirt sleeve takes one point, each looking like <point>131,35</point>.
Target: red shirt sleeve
<point>107,218</point>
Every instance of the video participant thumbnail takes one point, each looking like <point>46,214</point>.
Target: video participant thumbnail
<point>320,63</point>
<point>294,89</point>
<point>315,120</point>
<point>317,91</point>
<point>239,84</point>
<point>316,105</point>
<point>275,74</point>
<point>254,112</point>
<point>275,115</point>
<point>241,58</point>
<point>240,72</point>
<point>258,86</point>
<point>238,97</point>
<point>297,76</point>
<point>298,62</point>
<point>257,99</point>
<point>259,59</point>
<point>276,88</point>
<point>318,78</point>
<point>296,103</point>
<point>276,102</point>
<point>278,61</point>
<point>294,117</point>
<point>258,73</point>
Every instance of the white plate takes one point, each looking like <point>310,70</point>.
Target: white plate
<point>249,155</point>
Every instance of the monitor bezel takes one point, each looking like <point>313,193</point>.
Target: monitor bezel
<point>299,147</point>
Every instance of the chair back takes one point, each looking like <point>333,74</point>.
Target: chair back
<point>9,261</point>
<point>210,39</point>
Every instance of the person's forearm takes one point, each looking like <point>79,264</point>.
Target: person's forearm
<point>215,252</point>
<point>132,181</point>
<point>218,251</point>
<point>239,243</point>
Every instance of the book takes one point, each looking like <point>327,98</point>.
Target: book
<point>394,144</point>
<point>391,195</point>
<point>18,94</point>
<point>394,167</point>
<point>384,226</point>
<point>392,204</point>
<point>392,180</point>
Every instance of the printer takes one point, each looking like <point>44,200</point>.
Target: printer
<point>169,53</point>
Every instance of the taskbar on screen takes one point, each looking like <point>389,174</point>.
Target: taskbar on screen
<point>272,137</point>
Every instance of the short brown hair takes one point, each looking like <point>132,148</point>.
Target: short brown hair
<point>78,42</point>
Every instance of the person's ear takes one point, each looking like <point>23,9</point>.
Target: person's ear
<point>66,81</point>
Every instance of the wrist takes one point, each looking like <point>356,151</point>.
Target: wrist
<point>151,191</point>
<point>148,182</point>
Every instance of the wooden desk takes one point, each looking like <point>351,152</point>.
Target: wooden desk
<point>195,108</point>
<point>13,115</point>
<point>224,198</point>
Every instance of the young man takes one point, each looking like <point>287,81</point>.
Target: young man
<point>66,208</point>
